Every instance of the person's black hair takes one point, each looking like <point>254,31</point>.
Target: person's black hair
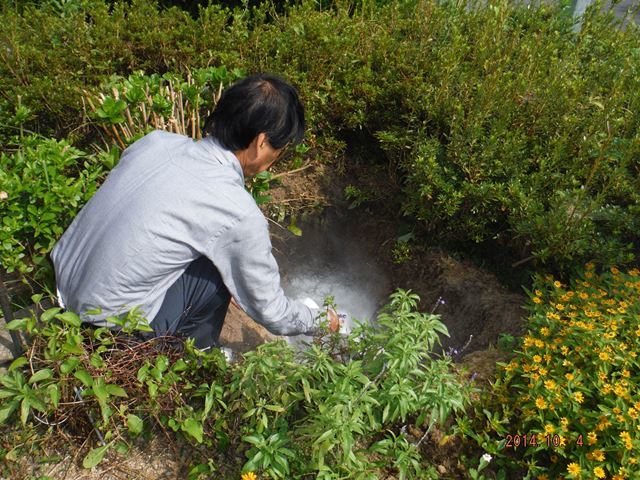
<point>257,104</point>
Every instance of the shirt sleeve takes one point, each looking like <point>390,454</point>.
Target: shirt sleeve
<point>245,261</point>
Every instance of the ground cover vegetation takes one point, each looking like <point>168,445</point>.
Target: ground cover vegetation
<point>568,403</point>
<point>501,125</point>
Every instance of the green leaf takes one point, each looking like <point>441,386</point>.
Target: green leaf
<point>116,391</point>
<point>17,363</point>
<point>95,456</point>
<point>17,324</point>
<point>8,393</point>
<point>100,389</point>
<point>25,408</point>
<point>143,372</point>
<point>73,348</point>
<point>275,408</point>
<point>122,448</point>
<point>295,230</point>
<point>253,439</point>
<point>193,428</point>
<point>6,412</point>
<point>54,394</point>
<point>323,437</point>
<point>134,424</point>
<point>44,374</point>
<point>68,365</point>
<point>70,319</point>
<point>47,315</point>
<point>84,377</point>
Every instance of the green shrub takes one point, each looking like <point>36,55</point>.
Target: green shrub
<point>49,57</point>
<point>337,410</point>
<point>572,387</point>
<point>42,187</point>
<point>506,126</point>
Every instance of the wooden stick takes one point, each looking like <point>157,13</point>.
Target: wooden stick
<point>291,172</point>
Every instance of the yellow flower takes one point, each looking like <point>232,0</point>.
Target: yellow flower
<point>537,300</point>
<point>545,331</point>
<point>573,469</point>
<point>615,271</point>
<point>557,284</point>
<point>560,306</point>
<point>598,455</point>
<point>578,397</point>
<point>550,384</point>
<point>598,472</point>
<point>248,476</point>
<point>540,403</point>
<point>538,293</point>
<point>603,356</point>
<point>537,358</point>
<point>592,438</point>
<point>569,376</point>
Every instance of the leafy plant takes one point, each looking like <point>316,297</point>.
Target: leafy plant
<point>140,103</point>
<point>338,408</point>
<point>569,393</point>
<point>44,184</point>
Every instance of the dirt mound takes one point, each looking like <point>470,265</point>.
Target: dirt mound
<point>475,303</point>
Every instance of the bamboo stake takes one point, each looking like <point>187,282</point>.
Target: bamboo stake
<point>129,118</point>
<point>115,131</point>
<point>181,107</point>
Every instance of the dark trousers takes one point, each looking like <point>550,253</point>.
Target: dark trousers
<point>195,305</point>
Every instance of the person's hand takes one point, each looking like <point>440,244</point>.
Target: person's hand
<point>334,320</point>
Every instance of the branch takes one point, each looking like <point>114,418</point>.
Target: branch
<point>290,172</point>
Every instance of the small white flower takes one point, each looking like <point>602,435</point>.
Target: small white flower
<point>486,457</point>
<point>4,195</point>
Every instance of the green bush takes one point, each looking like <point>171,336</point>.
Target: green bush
<point>50,56</point>
<point>339,409</point>
<point>507,127</point>
<point>42,187</point>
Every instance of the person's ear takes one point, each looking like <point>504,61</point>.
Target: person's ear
<point>254,147</point>
<point>263,141</point>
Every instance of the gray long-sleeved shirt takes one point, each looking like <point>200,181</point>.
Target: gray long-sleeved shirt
<point>169,201</point>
